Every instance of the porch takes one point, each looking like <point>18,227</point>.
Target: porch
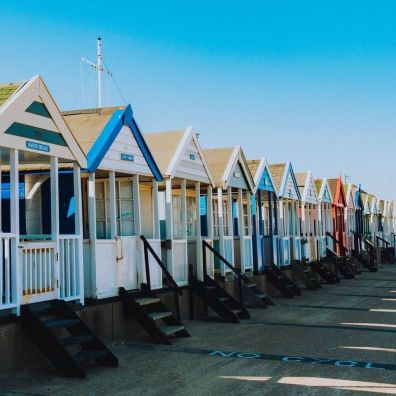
<point>40,228</point>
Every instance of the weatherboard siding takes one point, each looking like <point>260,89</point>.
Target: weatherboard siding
<point>311,194</point>
<point>238,179</point>
<point>290,188</point>
<point>125,143</point>
<point>191,166</point>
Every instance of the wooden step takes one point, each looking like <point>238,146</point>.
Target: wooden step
<point>159,315</point>
<point>147,300</point>
<point>57,323</point>
<point>168,330</point>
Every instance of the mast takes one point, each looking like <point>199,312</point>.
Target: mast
<point>100,70</point>
<point>98,66</point>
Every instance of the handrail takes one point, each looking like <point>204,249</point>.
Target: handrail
<point>328,248</point>
<point>383,240</point>
<point>363,238</point>
<point>335,255</point>
<point>206,245</point>
<point>227,263</point>
<point>147,248</point>
<point>394,238</point>
<point>337,241</point>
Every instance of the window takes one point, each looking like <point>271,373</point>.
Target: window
<point>125,218</point>
<point>216,224</point>
<point>245,220</point>
<point>177,216</point>
<point>125,208</point>
<point>191,216</point>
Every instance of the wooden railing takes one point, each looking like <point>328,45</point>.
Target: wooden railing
<point>69,266</point>
<point>172,283</point>
<point>240,277</point>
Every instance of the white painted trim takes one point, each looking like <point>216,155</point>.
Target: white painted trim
<point>54,183</point>
<point>189,134</point>
<point>237,155</point>
<point>78,221</point>
<point>112,205</point>
<point>263,165</point>
<point>325,184</point>
<point>92,229</point>
<point>16,270</point>
<point>308,180</point>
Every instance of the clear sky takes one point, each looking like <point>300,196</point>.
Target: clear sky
<point>312,82</point>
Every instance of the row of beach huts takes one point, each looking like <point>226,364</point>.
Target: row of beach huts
<point>94,213</point>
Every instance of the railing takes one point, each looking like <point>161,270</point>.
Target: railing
<point>394,238</point>
<point>69,266</point>
<point>177,291</point>
<point>38,267</point>
<point>343,249</point>
<point>370,245</point>
<point>8,287</point>
<point>240,277</point>
<point>378,238</point>
<point>332,252</point>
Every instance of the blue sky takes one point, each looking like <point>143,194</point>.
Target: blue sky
<point>313,82</point>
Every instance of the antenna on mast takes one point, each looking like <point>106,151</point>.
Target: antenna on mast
<point>99,68</point>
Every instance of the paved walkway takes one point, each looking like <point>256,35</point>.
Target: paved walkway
<point>336,341</point>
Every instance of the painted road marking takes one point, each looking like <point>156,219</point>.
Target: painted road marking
<point>267,357</point>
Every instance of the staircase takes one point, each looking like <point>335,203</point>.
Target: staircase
<point>219,300</point>
<point>324,272</point>
<point>158,321</point>
<point>364,259</point>
<point>368,258</point>
<point>281,282</point>
<point>147,308</point>
<point>64,338</point>
<point>306,275</point>
<point>254,296</point>
<point>352,266</point>
<point>343,268</point>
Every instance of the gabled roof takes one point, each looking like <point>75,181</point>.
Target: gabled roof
<point>348,190</point>
<point>323,190</point>
<point>97,129</point>
<point>31,121</point>
<point>261,173</point>
<point>372,201</point>
<point>337,192</point>
<point>222,163</point>
<point>176,152</point>
<point>358,197</point>
<point>284,178</point>
<point>7,90</point>
<point>307,187</point>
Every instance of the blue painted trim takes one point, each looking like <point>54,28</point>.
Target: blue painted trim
<point>290,170</point>
<point>104,141</point>
<point>130,121</point>
<point>109,134</point>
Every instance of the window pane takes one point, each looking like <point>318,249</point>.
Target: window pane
<point>99,190</point>
<point>126,209</point>
<point>100,230</point>
<point>126,190</point>
<point>100,210</point>
<point>127,228</point>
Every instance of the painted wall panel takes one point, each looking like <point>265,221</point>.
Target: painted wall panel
<point>125,155</point>
<point>191,166</point>
<point>238,179</point>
